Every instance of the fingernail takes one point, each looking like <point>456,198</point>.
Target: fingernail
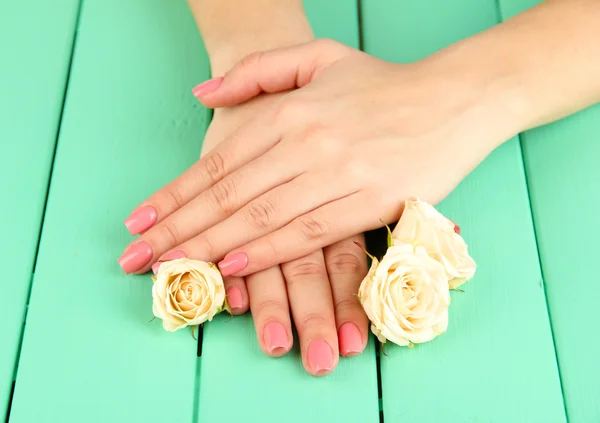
<point>135,257</point>
<point>233,264</point>
<point>351,343</point>
<point>171,255</point>
<point>234,298</point>
<point>320,357</point>
<point>276,338</point>
<point>207,87</point>
<point>141,219</point>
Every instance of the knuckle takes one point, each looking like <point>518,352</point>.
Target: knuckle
<point>215,166</point>
<point>304,269</point>
<point>312,229</point>
<point>174,197</point>
<point>267,306</point>
<point>260,213</point>
<point>223,196</point>
<point>252,59</point>
<point>205,248</point>
<point>168,232</point>
<point>345,262</point>
<point>314,320</point>
<point>346,305</point>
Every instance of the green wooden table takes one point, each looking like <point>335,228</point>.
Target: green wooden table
<point>96,113</point>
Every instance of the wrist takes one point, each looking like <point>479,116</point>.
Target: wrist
<point>233,29</point>
<point>227,52</point>
<point>489,84</point>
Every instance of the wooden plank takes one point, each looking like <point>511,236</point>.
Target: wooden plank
<point>561,163</point>
<point>89,352</point>
<point>563,175</point>
<point>35,49</point>
<point>234,371</point>
<point>496,363</point>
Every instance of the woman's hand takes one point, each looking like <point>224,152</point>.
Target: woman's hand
<point>331,159</point>
<point>320,288</point>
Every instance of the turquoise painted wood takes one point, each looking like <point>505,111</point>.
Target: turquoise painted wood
<point>35,47</point>
<point>496,363</point>
<point>130,124</point>
<point>562,170</point>
<point>561,163</point>
<point>262,389</point>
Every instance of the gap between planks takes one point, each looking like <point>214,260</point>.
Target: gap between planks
<point>37,246</point>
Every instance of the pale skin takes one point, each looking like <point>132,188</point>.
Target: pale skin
<point>356,136</point>
<point>321,287</point>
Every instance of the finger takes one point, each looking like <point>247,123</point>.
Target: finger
<point>237,294</point>
<point>260,216</point>
<point>324,226</point>
<point>215,205</point>
<point>311,303</point>
<point>273,71</point>
<point>270,311</point>
<point>347,267</point>
<point>223,159</point>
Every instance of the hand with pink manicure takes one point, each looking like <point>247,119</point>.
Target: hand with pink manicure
<point>320,288</point>
<point>356,136</point>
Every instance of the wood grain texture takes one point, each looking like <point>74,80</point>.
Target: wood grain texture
<point>496,363</point>
<point>35,48</point>
<point>562,165</point>
<point>130,124</point>
<point>561,162</point>
<point>238,382</point>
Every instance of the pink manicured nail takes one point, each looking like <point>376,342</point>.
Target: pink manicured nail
<point>135,257</point>
<point>276,338</point>
<point>320,357</point>
<point>233,264</point>
<point>351,343</point>
<point>207,87</point>
<point>141,219</point>
<point>171,255</point>
<point>234,298</point>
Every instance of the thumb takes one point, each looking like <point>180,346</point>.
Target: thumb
<point>271,72</point>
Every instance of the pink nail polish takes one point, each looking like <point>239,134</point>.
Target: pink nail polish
<point>234,298</point>
<point>135,257</point>
<point>233,264</point>
<point>207,87</point>
<point>141,219</point>
<point>320,357</point>
<point>276,338</point>
<point>171,255</point>
<point>350,338</point>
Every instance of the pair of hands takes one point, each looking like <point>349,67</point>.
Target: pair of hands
<point>309,168</point>
<point>320,288</point>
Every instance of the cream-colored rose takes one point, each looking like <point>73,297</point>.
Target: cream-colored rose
<point>187,292</point>
<point>421,224</point>
<point>406,296</point>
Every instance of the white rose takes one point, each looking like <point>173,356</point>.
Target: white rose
<point>406,296</point>
<point>421,224</point>
<point>187,292</point>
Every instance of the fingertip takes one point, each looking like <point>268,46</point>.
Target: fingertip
<point>235,298</point>
<point>350,339</point>
<point>320,358</point>
<point>276,339</point>
<point>202,90</point>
